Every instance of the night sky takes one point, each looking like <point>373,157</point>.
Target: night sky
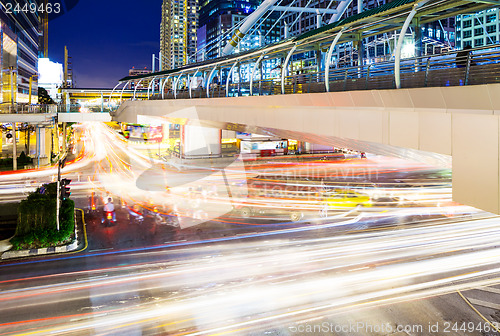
<point>106,38</point>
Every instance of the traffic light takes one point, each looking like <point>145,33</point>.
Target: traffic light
<point>65,189</point>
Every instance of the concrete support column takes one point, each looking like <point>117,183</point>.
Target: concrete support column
<point>68,102</point>
<point>64,137</point>
<point>197,141</point>
<point>102,102</point>
<point>42,152</point>
<point>306,147</point>
<point>45,151</point>
<point>37,142</point>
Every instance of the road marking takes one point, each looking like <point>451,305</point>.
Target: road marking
<point>477,311</point>
<point>93,277</point>
<point>84,233</point>
<point>490,290</point>
<point>106,249</point>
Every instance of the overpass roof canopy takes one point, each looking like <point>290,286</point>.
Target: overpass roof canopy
<point>383,19</point>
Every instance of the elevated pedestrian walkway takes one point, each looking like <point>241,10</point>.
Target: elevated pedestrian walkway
<point>430,124</point>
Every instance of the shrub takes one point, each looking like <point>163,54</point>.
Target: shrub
<point>36,224</point>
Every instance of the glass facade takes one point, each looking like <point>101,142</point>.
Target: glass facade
<point>218,20</point>
<point>178,29</point>
<point>19,57</point>
<point>478,29</point>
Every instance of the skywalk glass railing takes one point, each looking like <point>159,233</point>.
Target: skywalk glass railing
<point>457,68</point>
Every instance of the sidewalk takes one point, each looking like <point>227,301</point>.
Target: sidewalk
<point>79,244</point>
<point>5,245</point>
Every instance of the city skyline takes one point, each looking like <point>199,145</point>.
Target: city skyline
<point>112,37</point>
<point>318,171</point>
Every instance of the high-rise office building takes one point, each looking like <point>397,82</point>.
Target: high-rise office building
<point>140,84</point>
<point>179,23</point>
<point>217,20</point>
<point>50,77</point>
<point>435,37</point>
<point>19,42</point>
<point>478,29</point>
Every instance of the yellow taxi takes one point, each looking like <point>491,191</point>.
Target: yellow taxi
<point>348,199</point>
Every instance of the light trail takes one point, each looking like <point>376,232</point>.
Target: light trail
<point>267,275</point>
<point>263,280</point>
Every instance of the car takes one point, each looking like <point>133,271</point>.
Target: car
<point>247,211</point>
<point>347,199</point>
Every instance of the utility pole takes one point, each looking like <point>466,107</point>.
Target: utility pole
<point>14,110</point>
<point>58,195</point>
<point>14,147</point>
<point>60,164</point>
<point>58,186</point>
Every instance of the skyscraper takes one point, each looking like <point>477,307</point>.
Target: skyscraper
<point>19,41</point>
<point>478,29</point>
<point>219,17</point>
<point>179,23</point>
<point>434,37</point>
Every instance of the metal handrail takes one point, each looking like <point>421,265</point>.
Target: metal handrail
<point>22,108</point>
<point>453,68</point>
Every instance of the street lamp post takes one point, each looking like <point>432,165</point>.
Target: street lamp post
<point>14,147</point>
<point>13,110</point>
<point>58,193</point>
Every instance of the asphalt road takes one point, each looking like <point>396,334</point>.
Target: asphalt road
<point>383,266</point>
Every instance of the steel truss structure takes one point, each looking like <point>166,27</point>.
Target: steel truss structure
<point>224,74</point>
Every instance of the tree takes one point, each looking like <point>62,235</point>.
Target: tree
<point>43,97</point>
<point>36,221</point>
